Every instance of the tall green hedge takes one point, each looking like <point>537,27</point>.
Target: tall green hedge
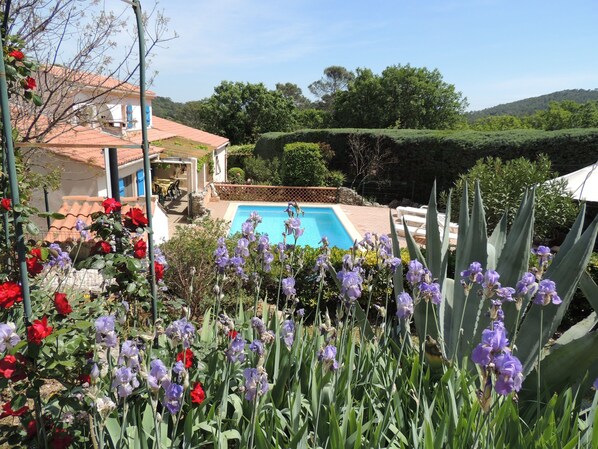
<point>420,156</point>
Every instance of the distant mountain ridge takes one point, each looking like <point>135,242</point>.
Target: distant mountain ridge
<point>528,106</point>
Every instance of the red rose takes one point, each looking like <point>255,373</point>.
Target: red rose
<point>85,379</point>
<point>103,247</point>
<point>62,304</point>
<point>11,367</point>
<point>34,262</point>
<point>187,354</point>
<point>38,331</point>
<point>8,411</point>
<point>31,428</point>
<point>17,54</point>
<point>232,334</point>
<point>5,203</point>
<point>159,271</point>
<point>137,217</point>
<point>29,83</point>
<point>61,439</point>
<point>197,394</point>
<point>111,205</point>
<point>140,249</point>
<point>10,293</point>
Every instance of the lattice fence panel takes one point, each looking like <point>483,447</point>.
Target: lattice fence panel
<point>241,192</point>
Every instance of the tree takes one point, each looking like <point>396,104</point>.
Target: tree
<point>401,97</point>
<point>498,123</point>
<point>367,161</point>
<point>293,93</point>
<point>335,79</point>
<point>303,165</point>
<point>241,112</point>
<point>74,38</point>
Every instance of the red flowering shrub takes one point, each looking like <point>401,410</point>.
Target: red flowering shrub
<point>198,395</point>
<point>17,54</point>
<point>38,331</point>
<point>29,83</point>
<point>12,367</point>
<point>62,304</point>
<point>111,205</point>
<point>140,249</point>
<point>159,271</point>
<point>187,355</point>
<point>136,218</point>
<point>5,204</point>
<point>8,411</point>
<point>10,293</point>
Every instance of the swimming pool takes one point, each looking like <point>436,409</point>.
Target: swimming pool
<point>318,222</point>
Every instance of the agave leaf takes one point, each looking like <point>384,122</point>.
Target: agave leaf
<point>589,289</point>
<point>499,236</point>
<point>444,250</point>
<point>514,259</point>
<point>566,275</point>
<point>572,365</point>
<point>413,248</point>
<point>433,244</point>
<point>576,331</point>
<point>573,235</point>
<point>466,309</point>
<point>463,213</point>
<point>445,311</point>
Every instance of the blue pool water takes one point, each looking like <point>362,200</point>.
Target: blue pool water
<point>317,222</point>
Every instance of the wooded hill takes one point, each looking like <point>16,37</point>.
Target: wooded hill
<point>529,106</point>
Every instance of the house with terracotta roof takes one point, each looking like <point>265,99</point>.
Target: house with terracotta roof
<point>108,115</point>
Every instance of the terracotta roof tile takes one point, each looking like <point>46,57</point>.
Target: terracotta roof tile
<point>164,129</point>
<point>82,207</point>
<point>95,81</point>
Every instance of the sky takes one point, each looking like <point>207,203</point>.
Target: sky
<point>493,51</point>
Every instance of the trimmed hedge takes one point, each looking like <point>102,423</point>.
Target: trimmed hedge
<point>421,156</point>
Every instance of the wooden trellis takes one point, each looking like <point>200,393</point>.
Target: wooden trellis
<point>242,192</point>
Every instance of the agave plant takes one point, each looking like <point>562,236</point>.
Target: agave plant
<point>460,319</point>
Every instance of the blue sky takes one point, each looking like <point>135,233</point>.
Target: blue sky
<point>493,51</point>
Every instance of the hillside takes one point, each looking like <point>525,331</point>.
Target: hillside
<point>164,107</point>
<point>528,106</point>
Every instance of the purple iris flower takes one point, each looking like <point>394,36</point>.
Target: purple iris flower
<point>258,347</point>
<point>181,331</point>
<point>293,227</point>
<point>158,373</point>
<point>430,292</point>
<point>527,284</point>
<point>125,381</point>
<point>235,352</point>
<point>328,357</point>
<point>491,281</point>
<point>58,257</point>
<point>178,368</point>
<point>242,249</point>
<point>129,355</point>
<point>288,287</point>
<point>505,293</point>
<point>510,376</point>
<point>595,385</point>
<point>287,332</point>
<point>415,272</point>
<point>543,254</point>
<point>404,305</point>
<point>546,293</point>
<point>173,395</point>
<point>473,273</point>
<point>8,336</point>
<point>82,228</point>
<point>256,382</point>
<point>221,255</point>
<point>494,341</point>
<point>247,229</point>
<point>258,325</point>
<point>105,334</point>
<point>351,284</point>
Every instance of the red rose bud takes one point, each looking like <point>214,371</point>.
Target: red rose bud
<point>38,331</point>
<point>17,54</point>
<point>61,304</point>
<point>187,355</point>
<point>140,249</point>
<point>232,334</point>
<point>5,204</point>
<point>29,83</point>
<point>198,395</point>
<point>111,205</point>
<point>159,271</point>
<point>137,217</point>
<point>31,428</point>
<point>104,247</point>
<point>8,411</point>
<point>10,293</point>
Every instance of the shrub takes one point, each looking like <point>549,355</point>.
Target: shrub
<point>303,165</point>
<point>503,185</point>
<point>263,171</point>
<point>236,175</point>
<point>335,178</point>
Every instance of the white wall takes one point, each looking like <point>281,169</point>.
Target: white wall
<point>123,171</point>
<point>160,225</point>
<point>219,159</point>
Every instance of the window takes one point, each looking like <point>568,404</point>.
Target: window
<point>125,186</point>
<point>129,113</point>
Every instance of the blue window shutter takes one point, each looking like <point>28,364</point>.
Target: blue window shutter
<point>140,183</point>
<point>148,115</point>
<point>129,116</point>
<point>121,187</point>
